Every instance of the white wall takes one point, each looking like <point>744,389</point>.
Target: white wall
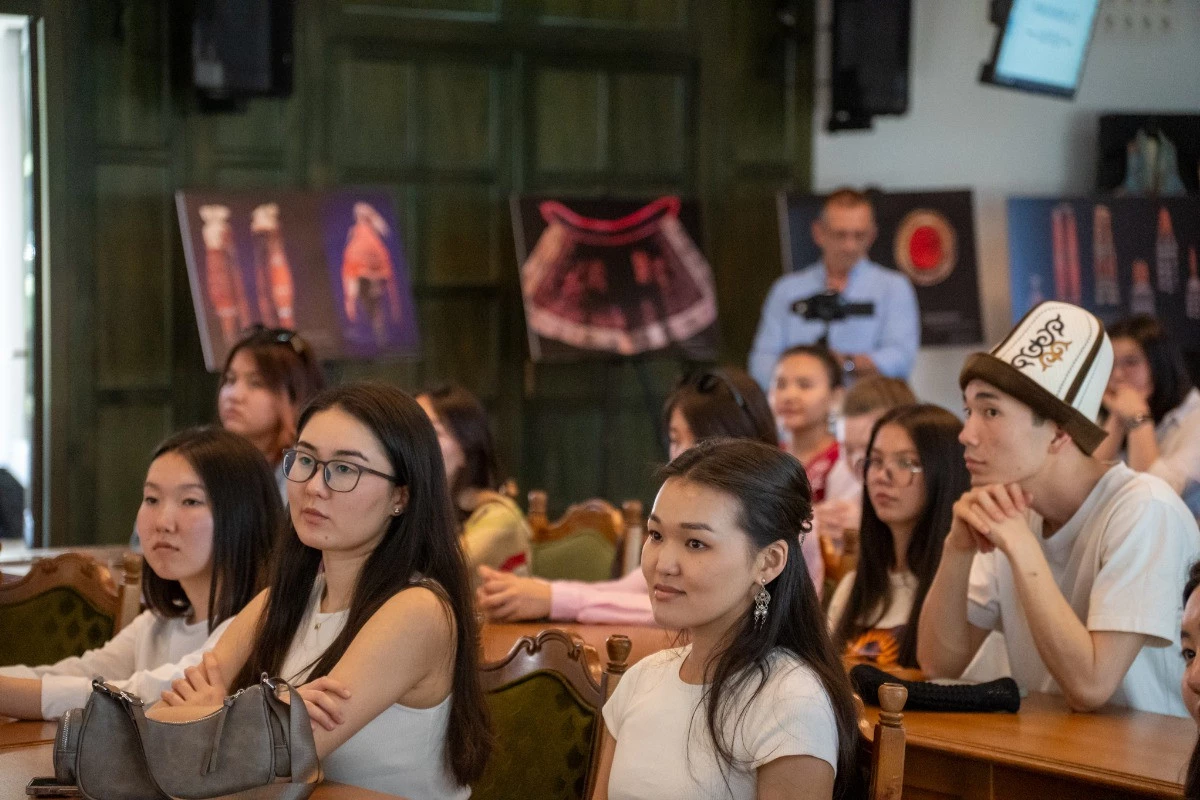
<point>998,142</point>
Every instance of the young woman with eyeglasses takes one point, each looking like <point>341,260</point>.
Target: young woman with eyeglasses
<point>268,377</point>
<point>723,402</point>
<point>494,531</point>
<point>866,401</point>
<point>914,473</point>
<point>368,611</point>
<point>210,514</point>
<point>757,704</point>
<point>1153,411</point>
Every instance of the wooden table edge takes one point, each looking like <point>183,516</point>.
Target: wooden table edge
<point>30,743</point>
<point>1000,756</point>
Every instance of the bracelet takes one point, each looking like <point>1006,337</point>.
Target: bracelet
<point>1137,421</point>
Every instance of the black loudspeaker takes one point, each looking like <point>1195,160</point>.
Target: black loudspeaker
<point>869,61</point>
<point>241,49</point>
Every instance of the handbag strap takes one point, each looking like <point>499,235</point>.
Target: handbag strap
<point>305,767</point>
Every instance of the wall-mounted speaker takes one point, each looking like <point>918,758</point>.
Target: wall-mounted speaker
<point>869,61</point>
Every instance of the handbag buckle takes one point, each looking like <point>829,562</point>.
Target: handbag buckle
<point>99,685</point>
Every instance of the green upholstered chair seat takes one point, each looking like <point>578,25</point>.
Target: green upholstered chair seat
<point>544,734</point>
<point>51,626</point>
<point>585,555</point>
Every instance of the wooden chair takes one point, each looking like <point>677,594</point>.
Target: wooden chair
<point>838,562</point>
<point>545,707</point>
<point>881,747</point>
<point>588,543</point>
<point>64,606</point>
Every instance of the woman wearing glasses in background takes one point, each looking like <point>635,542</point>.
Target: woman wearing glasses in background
<point>269,375</point>
<point>1153,409</point>
<point>368,612</point>
<point>914,473</point>
<point>724,403</point>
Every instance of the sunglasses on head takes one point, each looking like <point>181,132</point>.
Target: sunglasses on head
<point>277,336</point>
<point>710,381</point>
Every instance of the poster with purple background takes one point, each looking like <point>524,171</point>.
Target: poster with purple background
<point>329,265</point>
<point>1114,256</point>
<point>368,275</point>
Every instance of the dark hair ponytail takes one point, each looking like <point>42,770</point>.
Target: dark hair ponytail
<point>775,503</point>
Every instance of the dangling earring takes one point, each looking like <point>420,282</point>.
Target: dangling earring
<point>761,601</point>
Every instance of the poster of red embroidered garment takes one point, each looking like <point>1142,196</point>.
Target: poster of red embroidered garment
<point>613,277</point>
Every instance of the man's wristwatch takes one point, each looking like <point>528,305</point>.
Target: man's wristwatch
<point>1137,421</point>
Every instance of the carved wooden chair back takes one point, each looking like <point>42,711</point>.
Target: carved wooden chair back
<point>64,606</point>
<point>545,706</point>
<point>881,750</point>
<point>592,541</point>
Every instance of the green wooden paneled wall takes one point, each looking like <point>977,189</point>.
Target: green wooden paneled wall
<point>454,103</point>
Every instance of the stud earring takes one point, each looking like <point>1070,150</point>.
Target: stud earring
<point>761,601</point>
<point>396,511</point>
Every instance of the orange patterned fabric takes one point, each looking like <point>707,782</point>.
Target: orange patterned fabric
<point>878,646</point>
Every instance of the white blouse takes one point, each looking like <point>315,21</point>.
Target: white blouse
<point>1178,463</point>
<point>143,658</point>
<point>664,751</point>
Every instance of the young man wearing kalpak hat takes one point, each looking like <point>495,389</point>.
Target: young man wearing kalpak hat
<point>1079,563</point>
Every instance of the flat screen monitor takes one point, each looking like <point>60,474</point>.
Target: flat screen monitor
<point>1042,45</point>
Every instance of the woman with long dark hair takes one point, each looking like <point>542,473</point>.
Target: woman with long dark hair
<point>757,704</point>
<point>368,610</point>
<point>722,402</point>
<point>914,473</point>
<point>1190,642</point>
<point>1153,409</point>
<point>494,531</point>
<point>268,377</point>
<point>209,516</point>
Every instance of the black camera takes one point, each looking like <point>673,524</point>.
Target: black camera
<point>829,307</point>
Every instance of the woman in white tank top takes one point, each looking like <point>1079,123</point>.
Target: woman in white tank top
<point>381,645</point>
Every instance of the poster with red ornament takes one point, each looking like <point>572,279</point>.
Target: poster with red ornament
<point>927,235</point>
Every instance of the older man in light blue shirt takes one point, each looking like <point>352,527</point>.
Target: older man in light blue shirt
<point>885,341</point>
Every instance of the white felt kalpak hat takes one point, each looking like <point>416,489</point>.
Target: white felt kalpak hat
<point>1057,360</point>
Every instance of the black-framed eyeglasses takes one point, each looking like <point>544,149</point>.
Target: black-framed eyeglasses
<point>901,470</point>
<point>340,476</point>
<point>277,336</point>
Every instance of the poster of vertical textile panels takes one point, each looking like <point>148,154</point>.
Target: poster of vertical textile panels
<point>329,265</point>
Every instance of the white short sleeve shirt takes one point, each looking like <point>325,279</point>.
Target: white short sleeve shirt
<point>1120,562</point>
<point>663,748</point>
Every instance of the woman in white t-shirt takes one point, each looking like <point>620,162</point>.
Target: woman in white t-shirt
<point>757,705</point>
<point>1153,411</point>
<point>368,611</point>
<point>914,473</point>
<point>208,518</point>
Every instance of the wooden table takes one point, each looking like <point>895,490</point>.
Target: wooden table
<point>499,637</point>
<point>20,764</point>
<point>1044,750</point>
<point>22,733</point>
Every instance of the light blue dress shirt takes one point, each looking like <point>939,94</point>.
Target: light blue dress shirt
<point>890,336</point>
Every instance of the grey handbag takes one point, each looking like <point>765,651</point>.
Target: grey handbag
<point>246,747</point>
